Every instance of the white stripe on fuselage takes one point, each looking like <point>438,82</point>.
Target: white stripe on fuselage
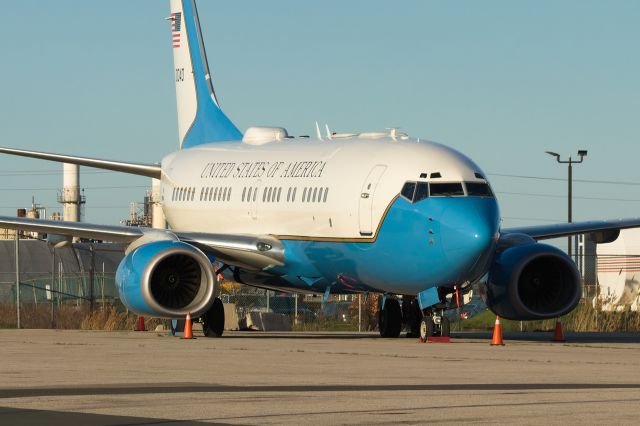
<point>339,167</point>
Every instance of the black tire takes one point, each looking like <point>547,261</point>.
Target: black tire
<point>445,327</point>
<point>390,319</point>
<point>427,328</point>
<point>213,320</point>
<point>413,319</point>
<point>177,326</point>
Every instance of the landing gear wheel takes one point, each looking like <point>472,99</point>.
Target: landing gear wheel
<point>413,318</point>
<point>213,320</point>
<point>445,327</point>
<point>177,326</point>
<point>390,319</point>
<point>427,328</point>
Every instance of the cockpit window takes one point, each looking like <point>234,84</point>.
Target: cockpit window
<point>450,189</point>
<point>407,190</point>
<point>478,189</point>
<point>422,192</point>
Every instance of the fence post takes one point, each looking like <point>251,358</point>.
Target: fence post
<point>18,277</point>
<point>53,286</point>
<point>359,312</point>
<point>91,276</point>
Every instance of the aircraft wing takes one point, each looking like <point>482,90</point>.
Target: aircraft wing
<point>246,251</point>
<point>150,170</point>
<point>605,228</point>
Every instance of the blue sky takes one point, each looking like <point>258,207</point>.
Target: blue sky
<point>502,81</point>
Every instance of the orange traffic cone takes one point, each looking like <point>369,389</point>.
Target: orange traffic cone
<point>558,336</point>
<point>140,324</point>
<point>188,333</point>
<point>497,333</point>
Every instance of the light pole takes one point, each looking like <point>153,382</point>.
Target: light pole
<point>570,162</point>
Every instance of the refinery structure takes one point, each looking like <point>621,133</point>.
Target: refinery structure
<point>63,271</point>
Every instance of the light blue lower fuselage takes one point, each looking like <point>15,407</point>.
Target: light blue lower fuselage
<point>439,241</point>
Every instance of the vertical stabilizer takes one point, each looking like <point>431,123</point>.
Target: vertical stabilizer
<point>200,119</point>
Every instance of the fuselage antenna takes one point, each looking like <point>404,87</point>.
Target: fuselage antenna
<point>329,136</point>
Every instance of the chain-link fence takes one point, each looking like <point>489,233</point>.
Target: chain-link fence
<point>305,312</point>
<point>66,300</point>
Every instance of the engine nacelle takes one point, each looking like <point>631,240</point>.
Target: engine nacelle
<point>531,282</point>
<point>166,279</point>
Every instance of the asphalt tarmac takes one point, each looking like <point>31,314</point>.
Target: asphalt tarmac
<point>128,378</point>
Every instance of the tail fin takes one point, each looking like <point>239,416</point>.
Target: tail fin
<point>200,119</point>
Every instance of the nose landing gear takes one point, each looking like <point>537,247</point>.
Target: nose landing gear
<point>425,323</point>
<point>434,324</point>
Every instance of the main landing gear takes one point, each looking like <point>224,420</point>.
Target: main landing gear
<point>390,318</point>
<point>213,320</point>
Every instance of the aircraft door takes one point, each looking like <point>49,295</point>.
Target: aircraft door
<point>366,199</point>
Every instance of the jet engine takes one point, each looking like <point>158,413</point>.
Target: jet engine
<point>166,279</point>
<point>532,281</point>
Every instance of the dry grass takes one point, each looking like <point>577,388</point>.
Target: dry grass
<point>583,318</point>
<point>72,317</point>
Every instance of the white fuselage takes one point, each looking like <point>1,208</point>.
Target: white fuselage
<point>300,188</point>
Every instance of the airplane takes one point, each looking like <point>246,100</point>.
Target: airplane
<point>344,213</point>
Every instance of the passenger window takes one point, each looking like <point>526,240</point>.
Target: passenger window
<point>269,195</point>
<point>304,194</point>
<point>224,194</point>
<point>293,195</point>
<point>326,191</point>
<point>210,193</point>
<point>229,194</point>
<point>215,194</point>
<point>478,189</point>
<point>249,194</point>
<point>407,190</point>
<point>422,192</point>
<point>201,193</point>
<point>289,195</point>
<point>315,192</point>
<point>244,192</point>
<point>452,189</point>
<point>255,194</point>
<point>279,192</point>
<point>320,194</point>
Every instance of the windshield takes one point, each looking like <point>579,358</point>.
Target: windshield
<point>449,189</point>
<point>478,189</point>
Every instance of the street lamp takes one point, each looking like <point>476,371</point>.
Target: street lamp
<point>570,162</point>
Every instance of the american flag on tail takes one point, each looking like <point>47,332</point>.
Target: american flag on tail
<point>175,28</point>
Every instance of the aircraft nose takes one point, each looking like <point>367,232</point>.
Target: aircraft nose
<point>468,231</point>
